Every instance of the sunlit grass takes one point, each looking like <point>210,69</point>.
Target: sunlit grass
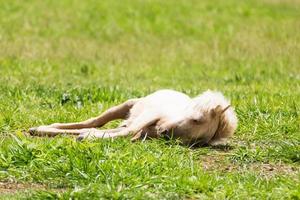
<point>70,60</point>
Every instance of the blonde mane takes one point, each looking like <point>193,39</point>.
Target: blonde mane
<point>227,121</point>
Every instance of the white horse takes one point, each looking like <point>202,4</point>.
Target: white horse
<point>206,119</point>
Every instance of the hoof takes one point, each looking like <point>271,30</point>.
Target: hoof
<point>82,137</point>
<point>32,131</point>
<point>79,138</point>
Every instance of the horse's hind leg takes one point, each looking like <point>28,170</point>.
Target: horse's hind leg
<point>143,121</point>
<point>51,132</point>
<point>111,133</point>
<point>117,112</point>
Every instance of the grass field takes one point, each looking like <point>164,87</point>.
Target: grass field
<point>63,61</point>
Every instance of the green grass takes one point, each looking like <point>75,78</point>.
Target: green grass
<point>70,60</point>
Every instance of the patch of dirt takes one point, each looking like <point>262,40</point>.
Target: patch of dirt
<point>13,187</point>
<point>219,162</point>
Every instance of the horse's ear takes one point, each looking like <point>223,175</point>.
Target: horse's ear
<point>216,111</point>
<point>225,109</point>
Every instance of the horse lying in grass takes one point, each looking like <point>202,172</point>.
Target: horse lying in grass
<point>205,119</point>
